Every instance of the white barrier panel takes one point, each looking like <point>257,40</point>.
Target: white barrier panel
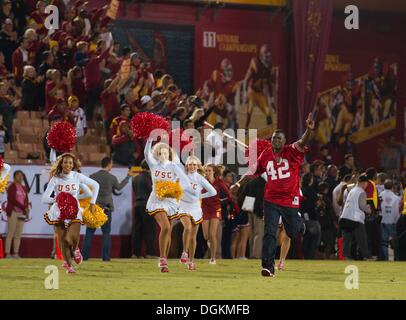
<point>37,177</point>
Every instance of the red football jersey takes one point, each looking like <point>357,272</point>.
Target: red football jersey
<point>283,172</point>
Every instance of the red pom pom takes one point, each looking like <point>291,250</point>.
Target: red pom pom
<point>1,163</point>
<point>261,145</point>
<point>62,137</point>
<point>176,141</point>
<point>143,123</point>
<point>68,206</point>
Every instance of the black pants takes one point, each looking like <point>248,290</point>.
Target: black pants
<point>372,230</point>
<point>144,229</point>
<point>360,235</point>
<point>311,239</point>
<point>292,223</point>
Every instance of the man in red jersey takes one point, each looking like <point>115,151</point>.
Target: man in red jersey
<point>281,198</point>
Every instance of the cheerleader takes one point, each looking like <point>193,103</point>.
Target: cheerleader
<point>212,209</point>
<point>65,178</point>
<point>159,159</point>
<point>190,211</point>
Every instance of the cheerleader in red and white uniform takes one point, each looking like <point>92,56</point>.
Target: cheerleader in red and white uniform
<point>65,178</point>
<point>190,209</point>
<point>163,169</point>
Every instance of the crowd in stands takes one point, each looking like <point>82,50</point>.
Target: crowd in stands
<point>80,74</point>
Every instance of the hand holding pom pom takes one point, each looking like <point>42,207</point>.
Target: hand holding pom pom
<point>143,123</point>
<point>62,137</point>
<point>68,206</point>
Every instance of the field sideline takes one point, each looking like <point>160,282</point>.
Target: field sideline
<point>229,279</point>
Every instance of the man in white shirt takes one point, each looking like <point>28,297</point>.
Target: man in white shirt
<point>390,212</point>
<point>336,193</point>
<point>352,219</point>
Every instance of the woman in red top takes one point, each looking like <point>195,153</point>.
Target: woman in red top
<point>212,209</point>
<point>17,212</point>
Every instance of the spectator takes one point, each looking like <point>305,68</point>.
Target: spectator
<point>255,189</point>
<point>8,42</point>
<point>108,184</point>
<point>55,88</point>
<point>79,117</point>
<point>143,223</point>
<point>188,124</point>
<point>325,156</point>
<point>312,237</point>
<point>242,227</point>
<point>125,116</point>
<point>3,136</point>
<point>52,120</point>
<point>316,168</point>
<point>391,155</point>
<point>304,168</point>
<point>93,80</point>
<point>17,212</point>
<point>76,85</point>
<point>31,89</point>
<point>146,103</point>
<point>124,148</point>
<point>390,212</point>
<point>336,192</point>
<point>3,69</point>
<point>371,223</point>
<point>327,219</point>
<point>19,59</point>
<point>348,167</point>
<point>7,106</point>
<point>331,178</point>
<point>381,177</point>
<point>61,110</point>
<point>110,103</point>
<point>352,219</point>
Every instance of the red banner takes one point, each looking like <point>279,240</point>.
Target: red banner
<point>244,66</point>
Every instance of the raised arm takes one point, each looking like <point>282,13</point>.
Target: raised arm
<point>148,154</point>
<point>5,171</point>
<point>93,184</point>
<point>211,191</point>
<point>304,140</point>
<point>46,197</point>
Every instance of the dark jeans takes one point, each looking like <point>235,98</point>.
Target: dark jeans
<point>292,223</point>
<point>144,229</point>
<point>106,243</point>
<point>388,231</point>
<point>311,239</point>
<point>360,236</point>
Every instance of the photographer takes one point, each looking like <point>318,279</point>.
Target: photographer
<point>310,206</point>
<point>327,220</point>
<point>108,183</point>
<point>352,219</point>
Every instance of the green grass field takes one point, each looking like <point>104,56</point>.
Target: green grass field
<point>229,279</point>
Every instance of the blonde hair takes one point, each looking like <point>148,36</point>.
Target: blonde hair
<point>56,169</point>
<point>158,147</point>
<point>200,168</point>
<point>27,69</point>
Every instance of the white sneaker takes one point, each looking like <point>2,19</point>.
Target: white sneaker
<point>212,261</point>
